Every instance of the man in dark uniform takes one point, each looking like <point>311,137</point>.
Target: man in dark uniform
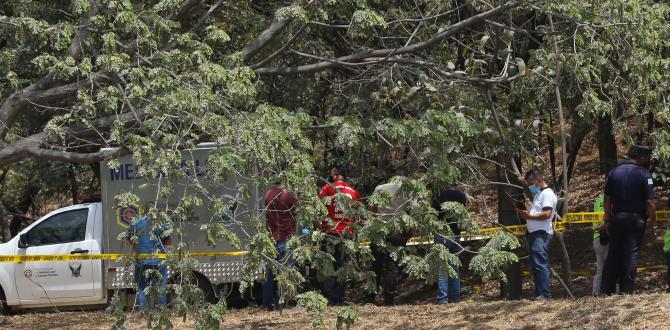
<point>629,201</point>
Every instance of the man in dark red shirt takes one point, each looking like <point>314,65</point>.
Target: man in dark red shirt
<point>280,210</point>
<point>336,225</point>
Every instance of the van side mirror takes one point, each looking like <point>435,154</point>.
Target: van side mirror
<point>23,241</point>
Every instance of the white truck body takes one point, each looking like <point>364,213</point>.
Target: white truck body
<point>93,228</point>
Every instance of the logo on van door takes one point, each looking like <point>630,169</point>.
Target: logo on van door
<point>125,215</point>
<point>75,268</point>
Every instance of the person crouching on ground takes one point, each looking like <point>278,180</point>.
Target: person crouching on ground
<point>280,211</point>
<point>337,226</point>
<point>540,232</point>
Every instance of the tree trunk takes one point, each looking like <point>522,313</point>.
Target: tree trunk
<point>74,187</point>
<point>566,268</point>
<point>508,201</point>
<point>607,150</point>
<point>580,129</point>
<point>5,219</point>
<point>552,153</point>
<point>18,220</point>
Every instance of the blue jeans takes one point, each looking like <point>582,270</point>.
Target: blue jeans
<point>538,243</point>
<point>145,275</point>
<point>449,288</point>
<point>270,285</point>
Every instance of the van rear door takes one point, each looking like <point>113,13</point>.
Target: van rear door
<point>66,231</point>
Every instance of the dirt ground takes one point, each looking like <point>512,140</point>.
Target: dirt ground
<point>644,311</point>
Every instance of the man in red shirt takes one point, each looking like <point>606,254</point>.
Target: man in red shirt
<point>280,210</point>
<point>337,225</point>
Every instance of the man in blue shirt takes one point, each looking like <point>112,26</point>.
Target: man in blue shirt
<point>629,201</point>
<point>147,239</point>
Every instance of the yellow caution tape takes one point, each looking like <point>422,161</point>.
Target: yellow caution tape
<point>483,234</point>
<point>591,217</point>
<point>520,230</point>
<point>107,256</point>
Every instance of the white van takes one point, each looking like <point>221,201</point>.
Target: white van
<point>94,228</point>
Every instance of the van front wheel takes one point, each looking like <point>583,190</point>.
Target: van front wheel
<point>4,308</point>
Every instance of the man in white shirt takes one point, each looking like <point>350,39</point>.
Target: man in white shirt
<point>540,231</point>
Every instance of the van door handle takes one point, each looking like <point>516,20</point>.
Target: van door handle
<point>78,251</point>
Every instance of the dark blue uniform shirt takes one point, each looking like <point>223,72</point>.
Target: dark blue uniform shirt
<point>629,186</point>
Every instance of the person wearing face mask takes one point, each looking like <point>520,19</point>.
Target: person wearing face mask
<point>540,231</point>
<point>629,202</point>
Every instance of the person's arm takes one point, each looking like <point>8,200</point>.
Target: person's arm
<point>548,203</point>
<point>294,202</point>
<point>325,192</point>
<point>129,236</point>
<point>544,215</point>
<point>651,211</point>
<point>607,206</point>
<point>607,203</point>
<point>650,200</point>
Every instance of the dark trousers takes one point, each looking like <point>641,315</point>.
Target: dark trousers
<point>386,270</point>
<point>154,276</point>
<point>269,286</point>
<point>626,231</point>
<point>333,288</point>
<point>667,260</point>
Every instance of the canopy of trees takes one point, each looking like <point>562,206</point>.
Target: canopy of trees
<point>291,88</point>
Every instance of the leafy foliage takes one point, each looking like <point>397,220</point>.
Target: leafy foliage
<point>285,91</point>
<point>346,317</point>
<point>314,304</point>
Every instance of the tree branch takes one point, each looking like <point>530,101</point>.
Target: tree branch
<point>280,50</point>
<point>454,76</point>
<point>360,56</point>
<point>201,21</point>
<point>23,99</point>
<point>183,10</point>
<point>503,139</point>
<point>264,38</point>
<point>33,146</point>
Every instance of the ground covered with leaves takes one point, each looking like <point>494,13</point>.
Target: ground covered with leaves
<point>618,312</point>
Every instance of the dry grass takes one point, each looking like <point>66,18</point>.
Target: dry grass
<point>644,311</point>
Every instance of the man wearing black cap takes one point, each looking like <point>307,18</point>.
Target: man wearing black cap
<point>629,201</point>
